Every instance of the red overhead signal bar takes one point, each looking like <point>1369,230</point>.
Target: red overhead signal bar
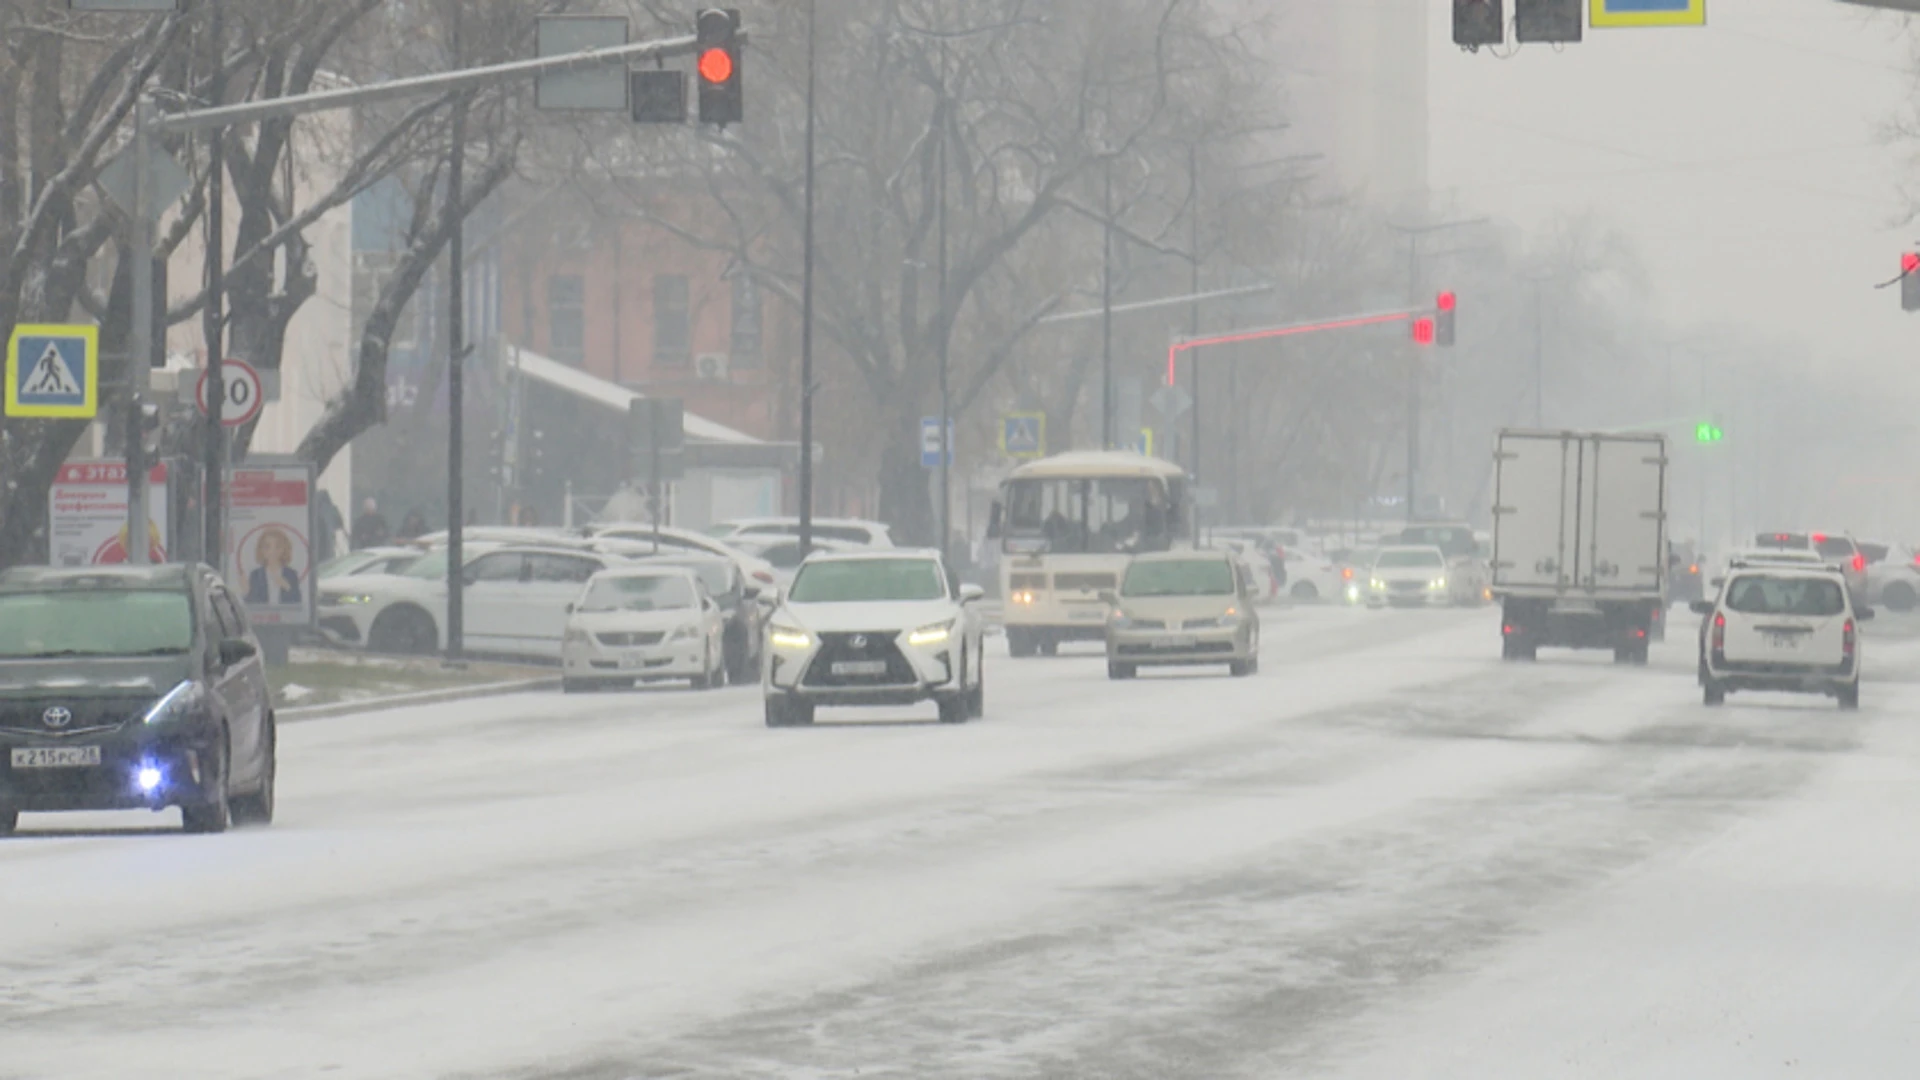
<point>1293,330</point>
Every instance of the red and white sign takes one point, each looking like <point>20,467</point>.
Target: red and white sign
<point>270,521</point>
<point>87,514</point>
<point>246,394</point>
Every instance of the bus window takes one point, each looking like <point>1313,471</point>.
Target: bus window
<point>1080,517</point>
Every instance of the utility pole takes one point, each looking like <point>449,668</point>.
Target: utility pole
<point>1106,302</point>
<point>214,453</point>
<point>140,349</point>
<point>945,329</point>
<point>1539,358</point>
<point>456,371</point>
<point>806,309</point>
<point>1193,316</point>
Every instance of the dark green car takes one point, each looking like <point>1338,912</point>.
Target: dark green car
<point>128,688</point>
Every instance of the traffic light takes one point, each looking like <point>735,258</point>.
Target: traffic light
<point>1549,21</point>
<point>1479,22</point>
<point>717,66</point>
<point>1910,282</point>
<point>1443,319</point>
<point>1706,431</point>
<point>1423,330</point>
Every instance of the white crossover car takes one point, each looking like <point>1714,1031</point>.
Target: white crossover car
<point>516,601</point>
<point>643,624</point>
<point>885,627</point>
<point>1781,628</point>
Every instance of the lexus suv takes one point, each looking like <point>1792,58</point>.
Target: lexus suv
<point>875,628</point>
<point>1781,628</point>
<point>125,688</point>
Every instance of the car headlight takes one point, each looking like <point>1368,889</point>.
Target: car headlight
<point>1437,583</point>
<point>1024,597</point>
<point>1378,584</point>
<point>182,701</point>
<point>789,637</point>
<point>686,633</point>
<point>1229,620</point>
<point>1119,620</point>
<point>337,599</point>
<point>931,635</point>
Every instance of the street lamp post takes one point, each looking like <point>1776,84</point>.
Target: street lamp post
<point>806,309</point>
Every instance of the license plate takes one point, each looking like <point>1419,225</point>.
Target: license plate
<point>1784,641</point>
<point>1175,641</point>
<point>860,667</point>
<point>1088,616</point>
<point>55,757</point>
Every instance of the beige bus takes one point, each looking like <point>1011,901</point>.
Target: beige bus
<point>1067,526</point>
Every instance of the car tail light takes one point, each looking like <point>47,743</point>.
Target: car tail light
<point>1347,572</point>
<point>1508,629</point>
<point>764,577</point>
<point>1719,632</point>
<point>1819,538</point>
<point>1639,633</point>
<point>1695,568</point>
<point>1846,638</point>
<point>1859,563</point>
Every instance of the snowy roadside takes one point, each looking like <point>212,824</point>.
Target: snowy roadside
<point>318,684</point>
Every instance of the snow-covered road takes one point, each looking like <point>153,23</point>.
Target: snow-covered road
<point>1388,855</point>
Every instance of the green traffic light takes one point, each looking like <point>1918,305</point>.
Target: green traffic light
<point>1707,433</point>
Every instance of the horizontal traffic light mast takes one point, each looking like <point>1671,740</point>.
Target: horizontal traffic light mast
<point>1428,326</point>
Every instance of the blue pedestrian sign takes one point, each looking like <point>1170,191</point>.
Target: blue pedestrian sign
<point>53,372</point>
<point>930,442</point>
<point>1617,13</point>
<point>1024,435</point>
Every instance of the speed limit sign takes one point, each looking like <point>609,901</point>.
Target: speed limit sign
<point>245,396</point>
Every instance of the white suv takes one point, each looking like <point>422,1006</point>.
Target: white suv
<point>1781,628</point>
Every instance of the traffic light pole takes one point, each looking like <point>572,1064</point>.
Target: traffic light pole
<point>806,310</point>
<point>456,372</point>
<point>140,337</point>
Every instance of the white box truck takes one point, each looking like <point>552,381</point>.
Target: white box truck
<point>1580,541</point>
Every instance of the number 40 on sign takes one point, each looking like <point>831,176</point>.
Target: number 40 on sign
<point>244,393</point>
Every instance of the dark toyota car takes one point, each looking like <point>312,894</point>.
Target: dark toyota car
<point>125,688</point>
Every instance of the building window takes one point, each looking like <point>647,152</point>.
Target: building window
<point>567,318</point>
<point>672,322</point>
<point>746,321</point>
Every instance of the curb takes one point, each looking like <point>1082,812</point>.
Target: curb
<point>424,697</point>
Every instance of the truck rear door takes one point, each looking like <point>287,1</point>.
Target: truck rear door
<point>1535,515</point>
<point>1623,480</point>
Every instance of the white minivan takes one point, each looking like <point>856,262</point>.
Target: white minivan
<point>1785,628</point>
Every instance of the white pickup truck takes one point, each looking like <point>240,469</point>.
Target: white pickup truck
<point>1580,541</point>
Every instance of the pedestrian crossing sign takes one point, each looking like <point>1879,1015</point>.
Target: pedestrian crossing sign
<point>53,372</point>
<point>1024,435</point>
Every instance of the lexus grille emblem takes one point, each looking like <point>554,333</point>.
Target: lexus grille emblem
<point>859,641</point>
<point>57,717</point>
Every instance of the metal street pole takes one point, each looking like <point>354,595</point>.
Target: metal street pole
<point>456,371</point>
<point>1106,310</point>
<point>140,350</point>
<point>214,453</point>
<point>806,310</point>
<point>1413,385</point>
<point>946,331</point>
<point>1193,319</point>
<point>1539,359</point>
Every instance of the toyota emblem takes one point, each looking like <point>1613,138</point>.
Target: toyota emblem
<point>57,717</point>
<point>859,642</point>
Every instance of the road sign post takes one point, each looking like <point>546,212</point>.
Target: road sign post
<point>930,449</point>
<point>53,372</point>
<point>1023,436</point>
<point>242,396</point>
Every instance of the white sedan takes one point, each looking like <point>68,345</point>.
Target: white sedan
<point>516,601</point>
<point>643,624</point>
<point>875,628</point>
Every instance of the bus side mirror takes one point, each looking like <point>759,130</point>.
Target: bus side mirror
<point>993,522</point>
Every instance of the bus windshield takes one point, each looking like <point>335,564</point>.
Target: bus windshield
<point>1075,516</point>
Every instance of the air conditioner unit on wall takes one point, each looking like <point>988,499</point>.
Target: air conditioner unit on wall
<point>713,367</point>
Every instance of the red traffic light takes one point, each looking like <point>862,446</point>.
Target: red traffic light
<point>1445,302</point>
<point>716,65</point>
<point>1909,263</point>
<point>1423,331</point>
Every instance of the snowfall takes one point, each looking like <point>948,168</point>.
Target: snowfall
<point>1388,855</point>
